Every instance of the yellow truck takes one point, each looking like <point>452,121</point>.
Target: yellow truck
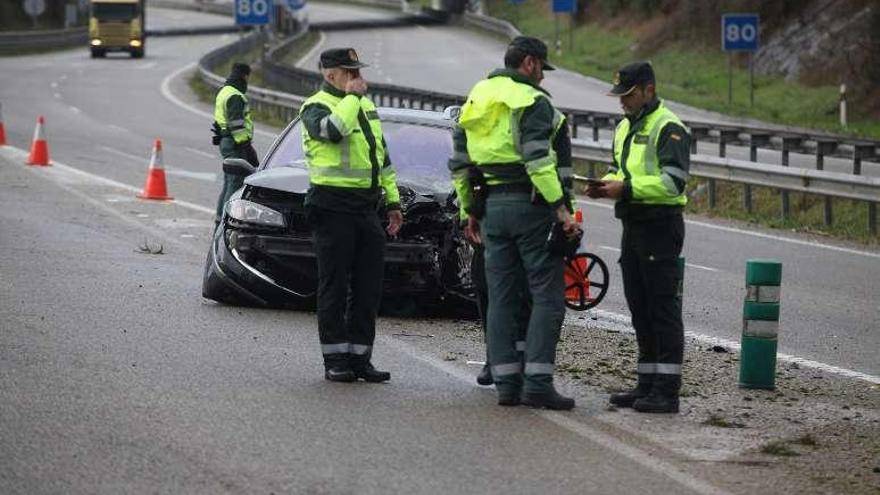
<point>117,26</point>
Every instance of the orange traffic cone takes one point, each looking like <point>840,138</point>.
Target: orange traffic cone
<point>2,129</point>
<point>39,149</point>
<point>155,188</point>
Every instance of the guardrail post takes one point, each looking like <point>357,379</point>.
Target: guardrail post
<point>788,142</point>
<point>825,148</point>
<point>755,140</point>
<point>757,367</point>
<point>697,133</point>
<point>724,136</point>
<point>872,218</point>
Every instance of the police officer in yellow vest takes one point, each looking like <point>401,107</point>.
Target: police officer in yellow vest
<point>648,179</point>
<point>348,166</point>
<point>233,129</point>
<point>510,136</point>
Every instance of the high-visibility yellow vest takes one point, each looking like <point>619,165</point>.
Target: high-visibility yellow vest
<point>491,119</point>
<point>240,130</point>
<point>641,160</point>
<point>347,163</point>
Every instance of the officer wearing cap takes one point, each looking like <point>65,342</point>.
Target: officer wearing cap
<point>233,129</point>
<point>514,144</point>
<point>349,169</point>
<point>647,179</point>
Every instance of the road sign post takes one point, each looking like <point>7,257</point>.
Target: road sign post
<point>562,7</point>
<point>34,8</point>
<point>739,33</point>
<point>253,12</point>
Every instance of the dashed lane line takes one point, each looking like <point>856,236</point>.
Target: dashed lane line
<point>761,235</point>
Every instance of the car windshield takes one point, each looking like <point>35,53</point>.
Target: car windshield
<point>418,152</point>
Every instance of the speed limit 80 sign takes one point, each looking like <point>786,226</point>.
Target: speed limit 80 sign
<point>739,32</point>
<point>252,12</point>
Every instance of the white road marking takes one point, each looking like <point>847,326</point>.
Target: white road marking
<point>200,152</point>
<point>179,172</point>
<point>761,235</point>
<point>692,265</point>
<point>312,51</point>
<point>166,92</point>
<point>117,128</point>
<point>701,267</point>
<point>623,323</point>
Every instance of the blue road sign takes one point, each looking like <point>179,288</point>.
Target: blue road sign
<point>739,32</point>
<point>296,4</point>
<point>516,2</point>
<point>252,12</point>
<point>564,6</point>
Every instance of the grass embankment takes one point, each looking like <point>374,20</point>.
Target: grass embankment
<point>207,94</point>
<point>690,73</point>
<point>697,76</point>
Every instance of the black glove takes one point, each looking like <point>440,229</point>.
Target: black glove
<point>558,242</point>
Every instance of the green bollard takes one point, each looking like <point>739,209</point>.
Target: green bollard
<point>757,367</point>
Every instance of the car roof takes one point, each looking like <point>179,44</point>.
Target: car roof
<point>414,116</point>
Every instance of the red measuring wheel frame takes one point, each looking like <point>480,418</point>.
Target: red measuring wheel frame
<point>586,281</point>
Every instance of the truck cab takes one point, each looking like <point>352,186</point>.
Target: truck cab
<point>117,26</point>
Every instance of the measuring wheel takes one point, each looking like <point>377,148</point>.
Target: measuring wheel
<point>586,281</point>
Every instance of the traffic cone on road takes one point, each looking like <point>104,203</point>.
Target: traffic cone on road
<point>155,187</point>
<point>39,149</point>
<point>2,129</point>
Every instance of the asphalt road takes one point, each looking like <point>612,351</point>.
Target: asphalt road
<point>117,376</point>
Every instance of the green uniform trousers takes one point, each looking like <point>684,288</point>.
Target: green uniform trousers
<point>515,232</point>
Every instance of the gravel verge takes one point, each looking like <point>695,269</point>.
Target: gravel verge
<point>815,433</point>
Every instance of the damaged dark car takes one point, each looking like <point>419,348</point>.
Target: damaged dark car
<point>262,252</point>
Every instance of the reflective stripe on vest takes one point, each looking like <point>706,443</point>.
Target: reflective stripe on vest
<point>346,163</point>
<point>233,126</point>
<point>642,160</point>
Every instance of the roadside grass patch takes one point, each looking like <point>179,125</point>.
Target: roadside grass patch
<point>691,73</point>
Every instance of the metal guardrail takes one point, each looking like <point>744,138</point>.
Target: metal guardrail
<point>53,38</point>
<point>295,81</point>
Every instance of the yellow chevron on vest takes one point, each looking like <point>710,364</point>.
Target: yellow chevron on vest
<point>642,159</point>
<point>239,135</point>
<point>347,163</point>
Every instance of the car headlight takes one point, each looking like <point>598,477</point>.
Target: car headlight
<point>250,212</point>
<point>135,43</point>
<point>96,42</point>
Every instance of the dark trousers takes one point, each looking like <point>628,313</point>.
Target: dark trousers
<point>233,182</point>
<point>648,261</point>
<point>515,232</point>
<point>350,249</point>
<point>478,276</point>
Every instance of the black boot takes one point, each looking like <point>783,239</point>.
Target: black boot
<point>626,399</point>
<point>663,397</point>
<point>549,399</point>
<point>370,374</point>
<point>485,376</point>
<point>339,373</point>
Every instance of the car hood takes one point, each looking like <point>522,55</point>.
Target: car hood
<point>296,180</point>
<point>287,179</point>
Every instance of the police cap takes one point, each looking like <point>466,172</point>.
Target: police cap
<point>532,46</point>
<point>631,75</point>
<point>346,58</point>
<point>239,70</point>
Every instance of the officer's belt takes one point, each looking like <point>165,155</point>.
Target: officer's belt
<point>508,172</point>
<point>523,187</point>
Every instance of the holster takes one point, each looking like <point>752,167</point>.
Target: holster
<point>479,192</point>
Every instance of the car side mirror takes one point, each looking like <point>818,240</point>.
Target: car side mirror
<point>237,166</point>
<point>452,112</point>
